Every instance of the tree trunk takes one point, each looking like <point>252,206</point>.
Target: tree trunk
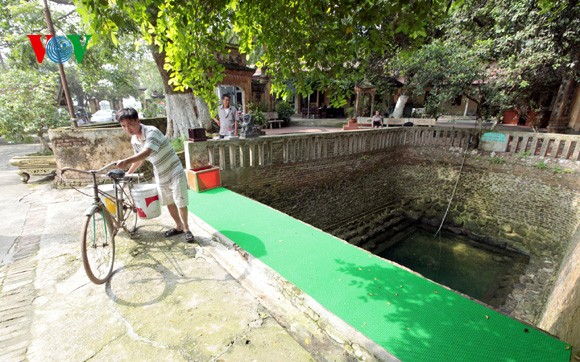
<point>183,109</point>
<point>45,145</point>
<point>400,106</point>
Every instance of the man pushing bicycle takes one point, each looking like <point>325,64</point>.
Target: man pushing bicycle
<point>150,144</point>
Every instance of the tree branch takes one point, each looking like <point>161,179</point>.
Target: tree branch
<point>470,98</point>
<point>62,2</point>
<point>58,19</point>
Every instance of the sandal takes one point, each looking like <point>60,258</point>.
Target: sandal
<point>172,232</point>
<point>189,237</point>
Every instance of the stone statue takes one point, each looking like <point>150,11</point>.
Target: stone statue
<point>249,129</point>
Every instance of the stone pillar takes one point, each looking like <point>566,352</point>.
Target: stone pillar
<point>575,113</point>
<point>196,154</point>
<point>560,117</point>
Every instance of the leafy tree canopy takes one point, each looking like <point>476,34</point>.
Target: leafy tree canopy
<point>530,46</point>
<point>511,53</point>
<point>329,39</point>
<point>108,71</point>
<point>24,112</point>
<point>446,70</point>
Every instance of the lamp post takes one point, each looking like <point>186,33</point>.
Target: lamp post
<point>67,97</point>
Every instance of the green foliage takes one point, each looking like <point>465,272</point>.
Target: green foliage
<point>153,109</point>
<point>333,41</point>
<point>285,110</point>
<point>17,19</point>
<point>500,47</point>
<point>541,165</point>
<point>350,112</point>
<point>28,103</point>
<point>339,90</point>
<point>150,78</point>
<point>258,115</point>
<point>443,69</point>
<point>45,152</point>
<point>559,170</point>
<point>497,160</point>
<point>178,143</point>
<point>525,154</point>
<point>106,72</point>
<point>529,46</point>
<point>328,39</point>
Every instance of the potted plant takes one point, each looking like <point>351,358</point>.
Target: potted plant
<point>351,115</point>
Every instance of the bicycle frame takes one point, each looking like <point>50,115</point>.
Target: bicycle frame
<point>98,204</point>
<point>117,221</point>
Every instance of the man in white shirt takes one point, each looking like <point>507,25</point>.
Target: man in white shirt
<point>227,118</point>
<point>150,144</point>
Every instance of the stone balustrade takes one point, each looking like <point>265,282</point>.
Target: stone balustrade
<point>282,149</point>
<point>551,145</point>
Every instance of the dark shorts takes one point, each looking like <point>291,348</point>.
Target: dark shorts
<point>377,123</point>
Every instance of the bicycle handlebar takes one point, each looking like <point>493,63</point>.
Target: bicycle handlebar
<point>64,169</point>
<point>129,175</point>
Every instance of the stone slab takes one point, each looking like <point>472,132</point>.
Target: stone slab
<point>494,142</point>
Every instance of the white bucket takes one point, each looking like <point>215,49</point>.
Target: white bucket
<point>146,200</point>
<point>109,199</point>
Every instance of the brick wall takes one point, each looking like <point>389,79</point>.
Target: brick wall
<point>88,148</point>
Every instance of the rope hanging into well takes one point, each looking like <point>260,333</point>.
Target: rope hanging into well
<point>455,187</point>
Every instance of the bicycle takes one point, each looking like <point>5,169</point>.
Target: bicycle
<point>102,225</point>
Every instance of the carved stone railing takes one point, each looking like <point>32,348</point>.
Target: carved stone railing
<point>552,145</point>
<point>33,165</point>
<point>272,150</point>
<point>283,149</point>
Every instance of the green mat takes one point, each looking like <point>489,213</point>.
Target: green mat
<point>410,317</point>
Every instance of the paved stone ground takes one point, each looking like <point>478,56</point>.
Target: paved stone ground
<point>17,254</point>
<point>18,290</point>
<point>315,125</point>
<point>168,300</point>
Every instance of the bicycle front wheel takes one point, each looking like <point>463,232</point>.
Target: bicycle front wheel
<point>98,246</point>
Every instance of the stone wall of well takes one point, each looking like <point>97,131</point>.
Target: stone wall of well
<point>499,201</point>
<point>92,147</point>
<point>562,317</point>
<point>512,204</point>
<point>88,148</point>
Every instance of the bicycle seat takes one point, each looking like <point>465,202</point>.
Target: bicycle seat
<point>116,174</point>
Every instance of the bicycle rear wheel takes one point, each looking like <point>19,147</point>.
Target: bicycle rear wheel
<point>129,213</point>
<point>98,246</point>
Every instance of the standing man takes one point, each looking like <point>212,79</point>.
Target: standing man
<point>227,118</point>
<point>150,144</point>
